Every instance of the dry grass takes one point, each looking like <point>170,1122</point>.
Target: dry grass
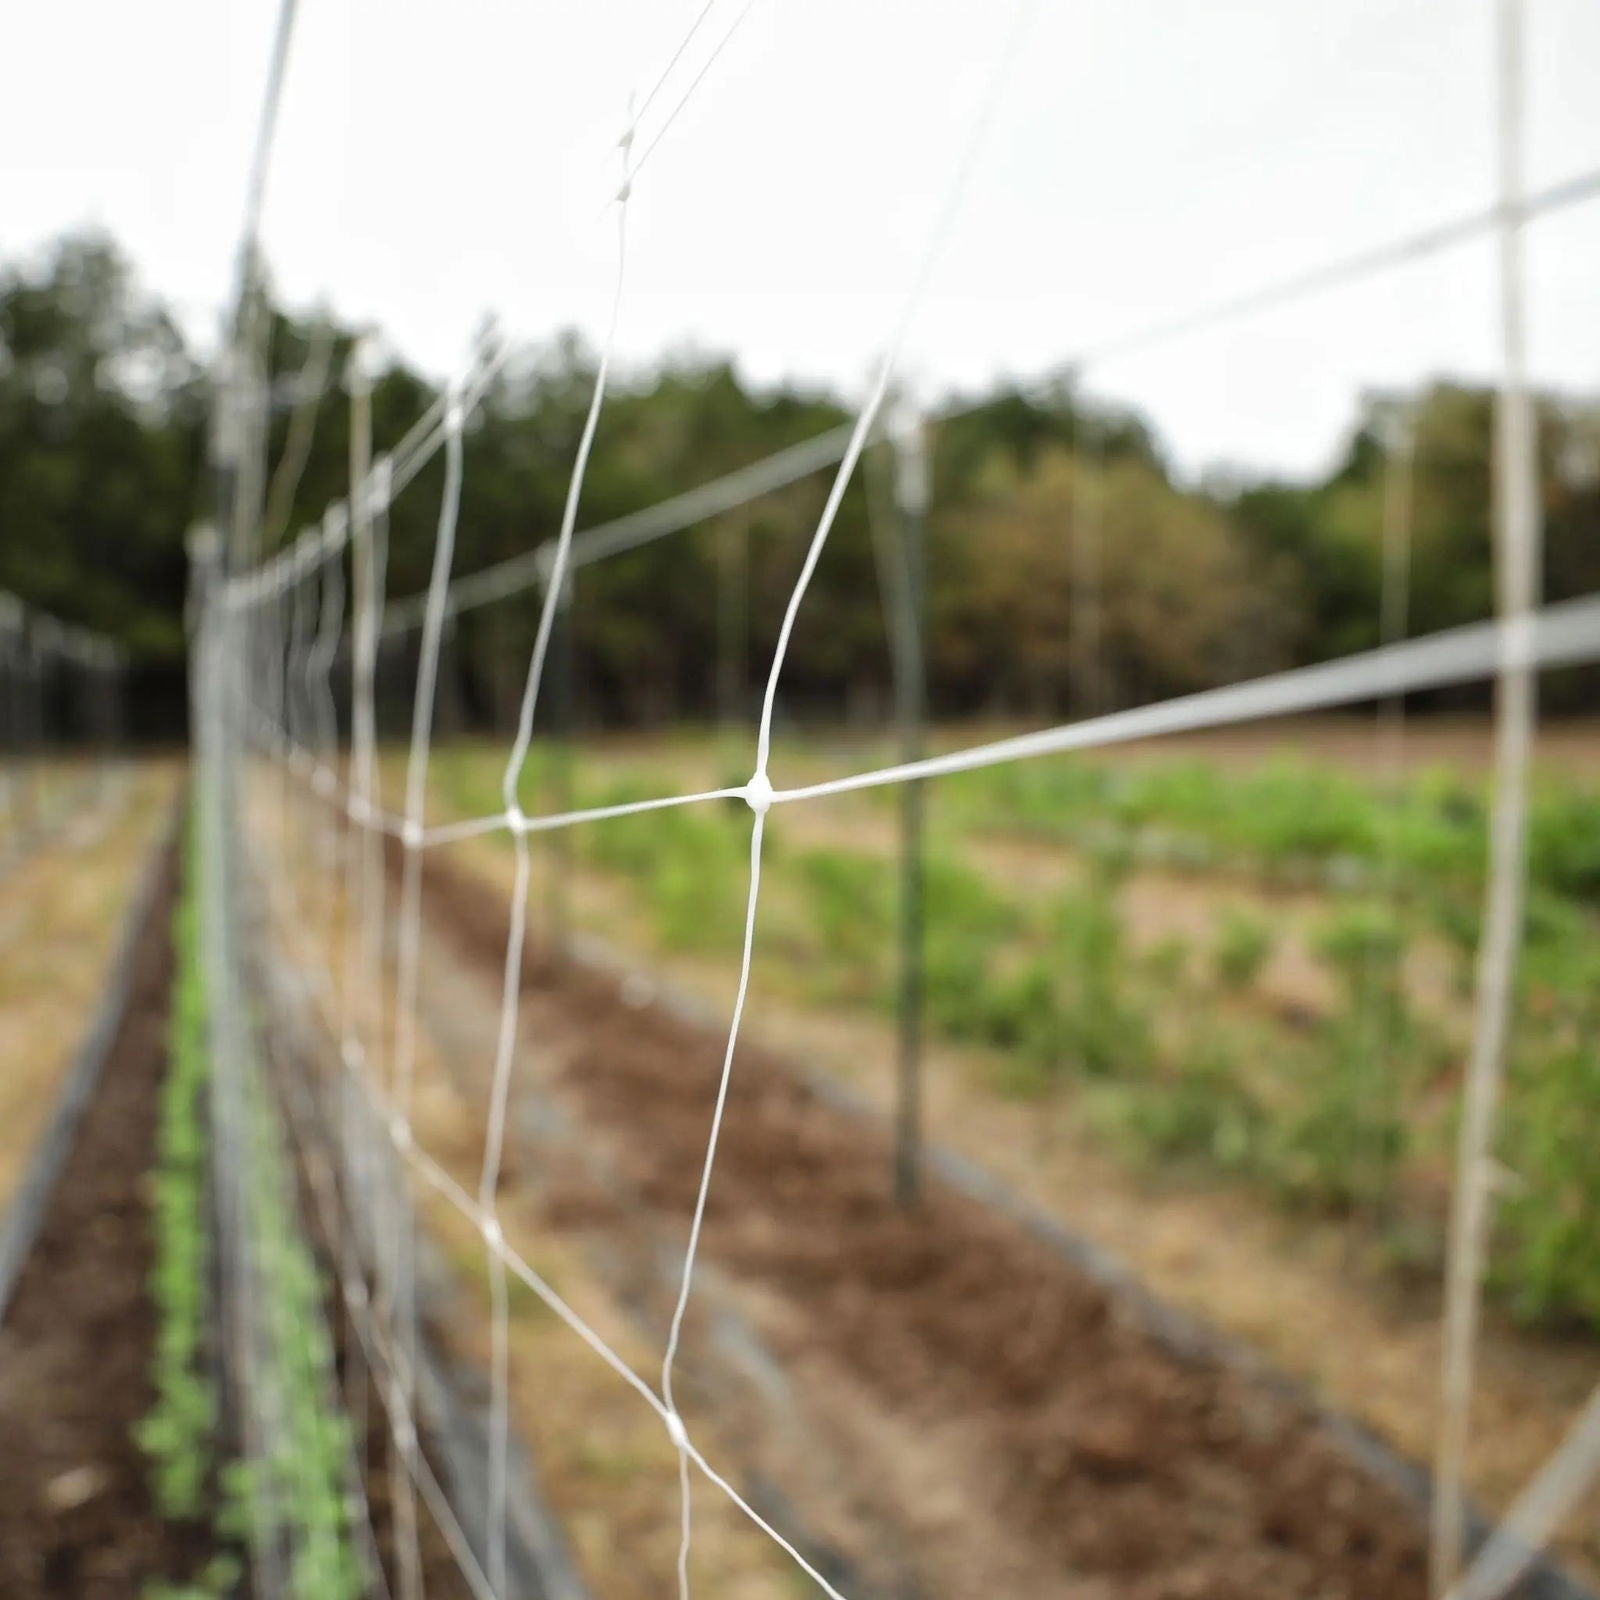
<point>61,910</point>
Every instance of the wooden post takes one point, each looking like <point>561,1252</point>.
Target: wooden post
<point>910,623</point>
<point>564,666</point>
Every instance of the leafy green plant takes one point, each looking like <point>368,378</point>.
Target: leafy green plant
<point>178,1433</point>
<point>1343,1136</point>
<point>1104,1027</point>
<point>1242,949</point>
<point>1547,1256</point>
<point>1167,962</point>
<point>1197,1110</point>
<point>298,1491</point>
<point>300,1485</point>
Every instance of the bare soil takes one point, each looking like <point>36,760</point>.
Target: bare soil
<point>1029,1418</point>
<point>76,1516</point>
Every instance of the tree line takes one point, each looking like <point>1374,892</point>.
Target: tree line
<point>1068,568</point>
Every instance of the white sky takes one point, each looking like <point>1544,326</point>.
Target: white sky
<point>438,160</point>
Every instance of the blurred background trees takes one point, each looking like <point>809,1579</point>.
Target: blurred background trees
<point>103,417</point>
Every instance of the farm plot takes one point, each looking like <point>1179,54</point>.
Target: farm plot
<point>963,1406</point>
<point>879,1329</point>
<point>123,1472</point>
<point>604,1467</point>
<point>926,1403</point>
<point>1233,994</point>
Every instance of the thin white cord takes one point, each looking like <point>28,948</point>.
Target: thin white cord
<point>512,776</point>
<point>675,1426</point>
<point>1518,549</point>
<point>666,72</point>
<point>409,944</point>
<point>505,1043</point>
<point>758,791</point>
<point>311,385</point>
<point>1539,1510</point>
<point>934,248</point>
<point>688,94</point>
<point>1563,634</point>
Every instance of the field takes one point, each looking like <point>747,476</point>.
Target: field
<point>121,1474</point>
<point>1194,1022</point>
<point>1206,1001</point>
<point>1256,961</point>
<point>596,1002</point>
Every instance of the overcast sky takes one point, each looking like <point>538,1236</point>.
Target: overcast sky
<point>438,160</point>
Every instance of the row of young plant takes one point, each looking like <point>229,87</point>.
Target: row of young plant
<point>1424,840</point>
<point>305,1483</point>
<point>293,1501</point>
<point>181,1433</point>
<point>1288,819</point>
<point>1285,818</point>
<point>1161,1040</point>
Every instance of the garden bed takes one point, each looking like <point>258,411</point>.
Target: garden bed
<point>998,1411</point>
<point>116,1475</point>
<point>77,1515</point>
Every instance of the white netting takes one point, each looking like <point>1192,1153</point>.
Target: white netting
<point>271,639</point>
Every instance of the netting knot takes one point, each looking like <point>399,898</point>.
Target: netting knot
<point>758,794</point>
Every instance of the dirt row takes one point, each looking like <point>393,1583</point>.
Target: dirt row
<point>76,1515</point>
<point>1051,1429</point>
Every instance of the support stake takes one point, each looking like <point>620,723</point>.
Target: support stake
<point>910,621</point>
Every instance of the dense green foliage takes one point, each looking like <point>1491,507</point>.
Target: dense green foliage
<point>179,1434</point>
<point>300,1486</point>
<point>102,427</point>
